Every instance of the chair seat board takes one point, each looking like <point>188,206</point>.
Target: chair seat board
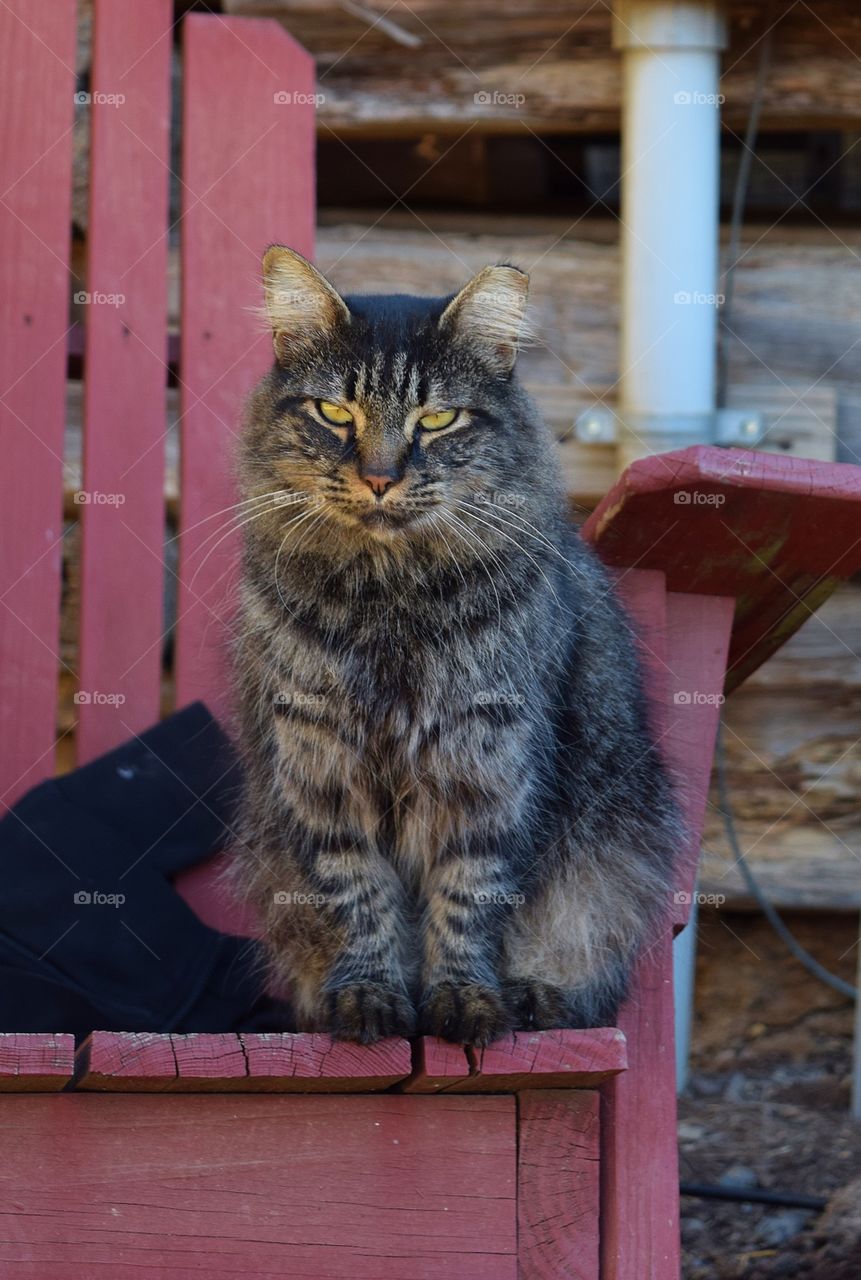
<point>124,1061</point>
<point>522,1060</point>
<point>32,1062</point>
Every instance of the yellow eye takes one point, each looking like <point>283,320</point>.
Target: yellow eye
<point>334,413</point>
<point>436,421</point>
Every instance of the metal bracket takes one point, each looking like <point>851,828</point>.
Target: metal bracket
<point>603,425</point>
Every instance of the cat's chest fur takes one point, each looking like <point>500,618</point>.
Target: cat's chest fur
<point>402,727</point>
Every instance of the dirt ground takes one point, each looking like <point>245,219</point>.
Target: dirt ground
<point>767,1103</point>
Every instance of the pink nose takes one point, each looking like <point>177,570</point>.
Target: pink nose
<point>379,483</point>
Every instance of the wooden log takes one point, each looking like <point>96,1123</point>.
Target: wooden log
<point>34,1062</point>
<point>523,1060</point>
<point>132,1062</point>
<point>548,67</point>
<point>352,1188</point>
<point>558,1203</point>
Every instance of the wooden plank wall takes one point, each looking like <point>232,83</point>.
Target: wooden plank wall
<point>549,66</point>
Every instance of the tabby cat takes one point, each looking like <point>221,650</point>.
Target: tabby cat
<point>455,820</point>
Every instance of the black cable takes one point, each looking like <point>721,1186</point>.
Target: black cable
<point>752,1195</point>
<point>738,205</point>
<point>804,957</point>
<point>739,199</point>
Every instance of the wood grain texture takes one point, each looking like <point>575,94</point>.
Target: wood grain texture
<point>347,1188</point>
<point>558,1180</point>
<point>122,519</point>
<point>37,75</point>
<point>523,1060</point>
<point>794,769</point>
<point>639,1157</point>
<point>549,67</point>
<point>697,642</point>
<point>639,1160</point>
<point>778,534</point>
<point>248,181</point>
<point>35,1063</point>
<point>127,1061</point>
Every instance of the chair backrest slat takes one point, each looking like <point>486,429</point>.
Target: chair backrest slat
<point>123,517</point>
<point>248,179</point>
<point>37,75</point>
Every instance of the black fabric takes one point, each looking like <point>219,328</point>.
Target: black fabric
<point>93,935</point>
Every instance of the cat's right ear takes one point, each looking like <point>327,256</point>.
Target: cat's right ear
<point>301,305</point>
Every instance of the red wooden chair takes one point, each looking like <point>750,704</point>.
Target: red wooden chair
<point>550,1154</point>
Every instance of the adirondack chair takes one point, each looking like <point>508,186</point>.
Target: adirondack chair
<point>548,1154</point>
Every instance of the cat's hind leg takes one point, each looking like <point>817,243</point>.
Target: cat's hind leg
<point>568,951</point>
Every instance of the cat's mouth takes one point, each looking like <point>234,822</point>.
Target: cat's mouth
<point>387,517</point>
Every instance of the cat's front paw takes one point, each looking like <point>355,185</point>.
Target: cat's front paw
<point>465,1013</point>
<point>370,1011</point>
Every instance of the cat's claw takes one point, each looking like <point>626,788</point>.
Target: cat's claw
<point>465,1013</point>
<point>370,1011</point>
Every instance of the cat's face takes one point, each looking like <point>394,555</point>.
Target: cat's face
<point>390,416</point>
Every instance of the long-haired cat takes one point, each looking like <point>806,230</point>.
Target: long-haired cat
<point>455,820</point>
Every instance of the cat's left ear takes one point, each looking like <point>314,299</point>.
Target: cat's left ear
<point>490,314</point>
<point>301,306</point>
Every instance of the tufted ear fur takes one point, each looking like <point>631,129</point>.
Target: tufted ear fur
<point>490,314</point>
<point>301,305</point>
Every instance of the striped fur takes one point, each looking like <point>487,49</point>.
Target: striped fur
<point>455,819</point>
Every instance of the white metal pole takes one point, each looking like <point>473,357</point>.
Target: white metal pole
<point>669,259</point>
<point>669,234</point>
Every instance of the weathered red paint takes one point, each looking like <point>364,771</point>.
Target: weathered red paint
<point>248,179</point>
<point>37,75</point>
<point>123,521</point>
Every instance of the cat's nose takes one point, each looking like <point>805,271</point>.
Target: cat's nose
<point>380,481</point>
